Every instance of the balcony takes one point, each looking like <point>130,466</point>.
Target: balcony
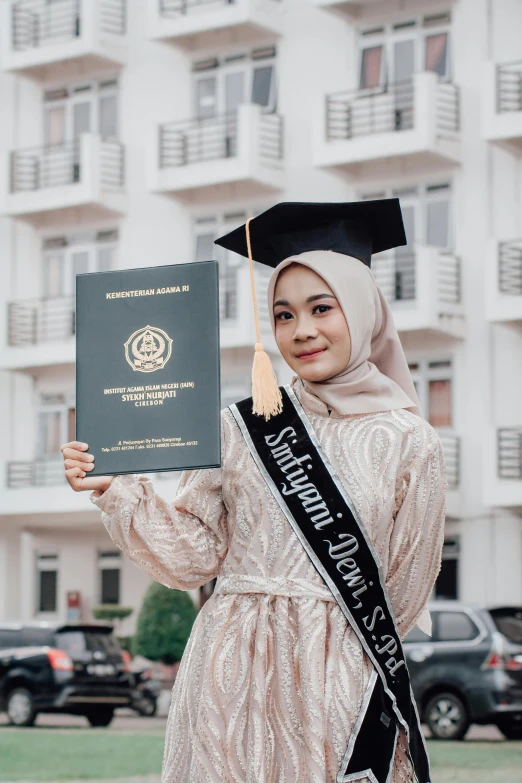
<point>504,282</point>
<point>415,123</point>
<point>40,332</point>
<point>79,179</point>
<point>45,41</point>
<point>345,6</point>
<point>423,289</point>
<point>193,24</point>
<point>502,104</point>
<point>237,329</point>
<point>503,474</point>
<point>236,154</point>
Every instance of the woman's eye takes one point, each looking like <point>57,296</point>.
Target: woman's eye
<point>321,309</point>
<point>283,316</point>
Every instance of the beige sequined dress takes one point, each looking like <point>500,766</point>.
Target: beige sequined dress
<point>272,677</point>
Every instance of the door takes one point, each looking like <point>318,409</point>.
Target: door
<point>206,97</point>
<point>403,70</point>
<point>234,97</point>
<point>405,257</point>
<point>82,123</point>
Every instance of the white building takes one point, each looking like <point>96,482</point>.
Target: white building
<point>133,133</point>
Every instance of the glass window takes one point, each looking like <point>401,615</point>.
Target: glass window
<point>205,246</point>
<point>55,125</point>
<point>510,625</point>
<point>446,586</point>
<point>109,116</point>
<point>437,54</point>
<point>48,591</point>
<point>110,585</point>
<point>50,432</point>
<point>416,635</point>
<point>106,258</point>
<point>262,87</point>
<point>9,638</point>
<point>206,97</point>
<point>372,62</point>
<point>437,223</point>
<point>53,275</point>
<point>455,626</point>
<point>439,396</point>
<point>37,637</point>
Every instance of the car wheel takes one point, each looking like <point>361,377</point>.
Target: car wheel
<point>20,708</point>
<point>100,717</point>
<point>147,706</point>
<point>447,717</point>
<point>511,726</point>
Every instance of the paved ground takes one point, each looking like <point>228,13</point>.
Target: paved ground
<point>128,721</point>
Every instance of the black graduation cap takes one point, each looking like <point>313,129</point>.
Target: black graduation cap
<point>357,229</point>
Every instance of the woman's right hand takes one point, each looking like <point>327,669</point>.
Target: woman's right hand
<point>78,462</point>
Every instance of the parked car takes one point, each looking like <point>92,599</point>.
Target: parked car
<point>145,693</point>
<point>74,669</point>
<point>469,670</point>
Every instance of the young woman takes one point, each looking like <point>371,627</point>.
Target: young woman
<point>273,677</point>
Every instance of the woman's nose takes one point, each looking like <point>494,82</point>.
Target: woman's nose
<point>304,330</point>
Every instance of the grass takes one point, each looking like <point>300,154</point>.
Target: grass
<point>63,754</point>
<point>52,755</point>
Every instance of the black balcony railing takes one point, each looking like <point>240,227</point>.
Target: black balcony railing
<point>214,138</point>
<point>510,267</point>
<point>36,473</point>
<point>451,448</point>
<point>38,23</point>
<point>509,87</point>
<point>385,109</point>
<point>52,166</point>
<point>172,8</point>
<point>34,321</point>
<point>509,452</point>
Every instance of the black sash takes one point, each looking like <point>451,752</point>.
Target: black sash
<point>324,519</point>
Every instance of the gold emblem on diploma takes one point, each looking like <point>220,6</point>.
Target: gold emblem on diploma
<point>148,349</point>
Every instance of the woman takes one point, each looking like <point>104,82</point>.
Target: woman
<point>273,677</point>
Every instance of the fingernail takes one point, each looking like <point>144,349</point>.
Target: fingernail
<point>84,446</point>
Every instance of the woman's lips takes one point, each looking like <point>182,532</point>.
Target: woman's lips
<point>305,357</point>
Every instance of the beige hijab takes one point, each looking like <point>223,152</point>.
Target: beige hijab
<point>377,377</point>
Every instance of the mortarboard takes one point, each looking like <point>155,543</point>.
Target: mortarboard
<point>357,229</point>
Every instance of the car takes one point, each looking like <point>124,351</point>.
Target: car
<point>469,670</point>
<point>74,669</point>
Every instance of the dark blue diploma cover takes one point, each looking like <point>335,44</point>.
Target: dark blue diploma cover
<point>147,368</point>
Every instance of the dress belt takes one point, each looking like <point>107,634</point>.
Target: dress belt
<point>240,584</point>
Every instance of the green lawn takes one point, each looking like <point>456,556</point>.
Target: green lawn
<point>62,754</point>
<point>43,754</point>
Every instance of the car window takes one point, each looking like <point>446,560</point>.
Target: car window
<point>416,635</point>
<point>9,638</point>
<point>36,637</point>
<point>455,626</point>
<point>79,642</point>
<point>510,625</point>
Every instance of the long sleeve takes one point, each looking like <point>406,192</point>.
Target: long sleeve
<point>418,531</point>
<point>180,544</point>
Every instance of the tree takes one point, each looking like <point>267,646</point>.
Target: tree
<point>164,624</point>
<point>111,612</point>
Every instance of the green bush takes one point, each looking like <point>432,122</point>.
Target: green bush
<point>126,643</point>
<point>164,624</point>
<point>111,612</point>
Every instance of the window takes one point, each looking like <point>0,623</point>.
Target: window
<point>395,52</point>
<point>416,635</point>
<point>426,210</point>
<point>36,637</point>
<point>455,627</point>
<point>47,567</point>
<point>56,423</point>
<point>64,257</point>
<point>221,86</point>
<point>109,564</point>
<point>447,584</point>
<point>9,638</point>
<point>434,384</point>
<point>84,108</point>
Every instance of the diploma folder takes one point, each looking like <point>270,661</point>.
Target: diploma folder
<point>147,368</point>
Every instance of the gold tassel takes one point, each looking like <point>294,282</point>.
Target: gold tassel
<point>266,394</point>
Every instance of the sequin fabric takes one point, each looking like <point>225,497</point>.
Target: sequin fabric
<point>272,677</point>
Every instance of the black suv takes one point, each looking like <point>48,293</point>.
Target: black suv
<point>469,670</point>
<point>75,669</point>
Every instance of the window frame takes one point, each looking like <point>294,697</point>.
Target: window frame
<point>77,93</point>
<point>43,563</point>
<point>424,374</point>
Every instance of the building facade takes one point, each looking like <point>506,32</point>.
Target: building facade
<point>134,133</point>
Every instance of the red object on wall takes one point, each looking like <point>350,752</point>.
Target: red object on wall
<point>74,606</point>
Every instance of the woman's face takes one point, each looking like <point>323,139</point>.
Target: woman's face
<point>310,328</point>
